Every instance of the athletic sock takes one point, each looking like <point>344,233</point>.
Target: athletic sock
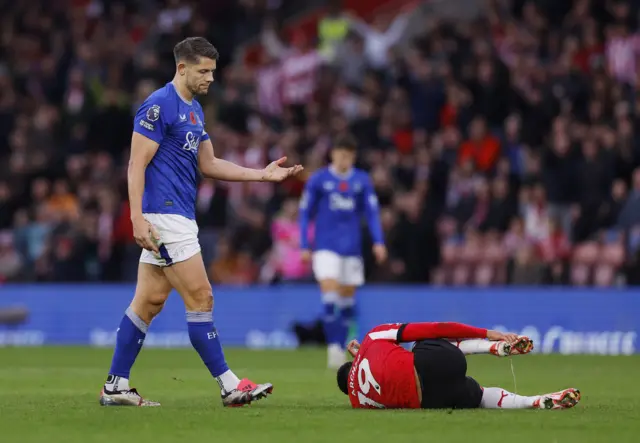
<point>498,398</point>
<point>206,341</point>
<point>346,314</point>
<point>330,319</point>
<point>129,340</point>
<point>474,346</point>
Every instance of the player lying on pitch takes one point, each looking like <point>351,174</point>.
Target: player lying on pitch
<point>434,375</point>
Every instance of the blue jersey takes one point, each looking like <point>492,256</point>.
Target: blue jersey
<point>338,205</point>
<point>178,127</point>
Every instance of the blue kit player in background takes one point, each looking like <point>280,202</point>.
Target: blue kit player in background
<point>169,145</point>
<point>337,198</point>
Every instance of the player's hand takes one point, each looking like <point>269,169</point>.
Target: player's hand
<point>275,173</point>
<point>145,234</point>
<point>305,255</point>
<point>509,337</point>
<point>380,253</point>
<point>353,347</point>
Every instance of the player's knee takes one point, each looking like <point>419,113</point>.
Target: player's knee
<point>200,300</point>
<point>347,291</point>
<point>329,285</point>
<point>147,308</point>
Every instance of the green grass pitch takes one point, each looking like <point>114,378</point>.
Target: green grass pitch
<point>50,395</point>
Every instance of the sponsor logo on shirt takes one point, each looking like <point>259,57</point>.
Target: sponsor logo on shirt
<point>192,142</point>
<point>183,117</point>
<point>338,202</point>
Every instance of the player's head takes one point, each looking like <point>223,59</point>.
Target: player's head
<point>343,153</point>
<point>196,61</point>
<point>343,377</point>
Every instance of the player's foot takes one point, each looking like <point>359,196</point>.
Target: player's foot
<point>500,348</point>
<point>523,345</point>
<point>558,400</point>
<point>128,397</point>
<point>336,356</point>
<point>246,392</point>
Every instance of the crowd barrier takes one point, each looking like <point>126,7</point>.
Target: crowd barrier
<point>564,320</point>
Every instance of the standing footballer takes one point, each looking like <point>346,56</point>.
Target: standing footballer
<point>168,146</point>
<point>337,198</point>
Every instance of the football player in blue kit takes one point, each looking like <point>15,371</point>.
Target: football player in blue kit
<point>168,146</point>
<point>337,198</point>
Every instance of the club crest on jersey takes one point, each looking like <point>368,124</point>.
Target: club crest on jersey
<point>153,113</point>
<point>192,142</point>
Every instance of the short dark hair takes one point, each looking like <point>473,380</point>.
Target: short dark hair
<point>347,142</point>
<point>192,48</point>
<point>343,377</point>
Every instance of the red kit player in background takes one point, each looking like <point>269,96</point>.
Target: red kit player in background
<point>434,374</point>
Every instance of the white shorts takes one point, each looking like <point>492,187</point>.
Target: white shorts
<point>328,265</point>
<point>178,236</point>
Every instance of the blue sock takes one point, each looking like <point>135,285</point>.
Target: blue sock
<point>330,323</point>
<point>347,313</point>
<point>129,340</point>
<point>330,318</point>
<point>206,341</point>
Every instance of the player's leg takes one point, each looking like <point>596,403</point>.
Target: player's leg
<point>327,271</point>
<point>152,290</point>
<point>352,276</point>
<point>523,345</point>
<point>441,367</point>
<point>498,398</point>
<point>189,277</point>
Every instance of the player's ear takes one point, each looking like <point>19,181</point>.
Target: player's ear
<point>181,68</point>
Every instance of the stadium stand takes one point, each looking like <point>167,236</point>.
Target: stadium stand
<point>504,150</point>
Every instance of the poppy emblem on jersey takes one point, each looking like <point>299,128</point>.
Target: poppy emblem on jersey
<point>192,117</point>
<point>344,186</point>
<point>153,113</point>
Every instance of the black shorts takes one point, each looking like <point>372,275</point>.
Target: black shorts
<point>442,369</point>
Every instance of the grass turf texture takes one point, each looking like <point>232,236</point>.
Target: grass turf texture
<point>51,395</point>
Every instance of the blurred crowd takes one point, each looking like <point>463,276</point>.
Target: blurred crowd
<point>504,150</point>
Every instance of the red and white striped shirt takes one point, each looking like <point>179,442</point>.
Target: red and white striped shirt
<point>299,77</point>
<point>269,90</point>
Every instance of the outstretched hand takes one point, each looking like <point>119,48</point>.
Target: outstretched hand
<point>276,173</point>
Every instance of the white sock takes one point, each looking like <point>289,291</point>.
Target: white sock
<point>498,398</point>
<point>228,381</point>
<point>117,384</point>
<point>474,346</point>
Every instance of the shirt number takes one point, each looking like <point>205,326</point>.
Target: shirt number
<point>366,380</point>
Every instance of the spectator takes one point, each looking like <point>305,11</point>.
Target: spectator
<point>482,148</point>
<point>286,254</point>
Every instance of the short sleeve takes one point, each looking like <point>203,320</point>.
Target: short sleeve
<point>151,120</point>
<point>204,136</point>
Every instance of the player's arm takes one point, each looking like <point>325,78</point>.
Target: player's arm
<point>148,132</point>
<point>372,214</point>
<point>308,204</point>
<point>408,332</point>
<point>219,169</point>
